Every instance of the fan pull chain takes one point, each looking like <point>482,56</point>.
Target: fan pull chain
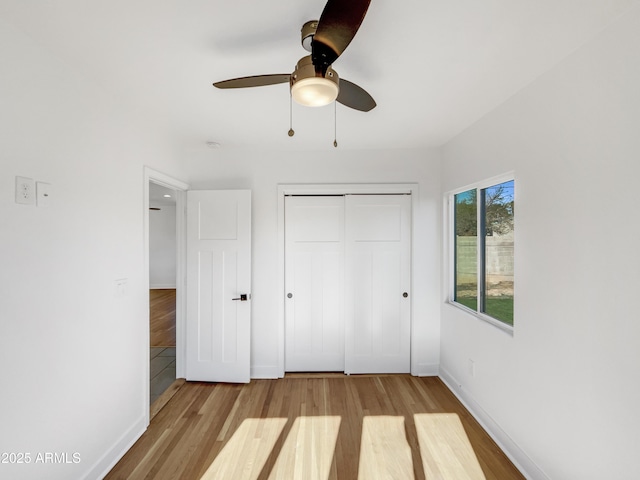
<point>335,124</point>
<point>291,132</point>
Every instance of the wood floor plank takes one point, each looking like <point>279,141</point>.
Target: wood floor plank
<point>162,317</point>
<point>206,427</point>
<point>165,397</point>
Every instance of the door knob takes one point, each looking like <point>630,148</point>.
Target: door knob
<point>405,294</point>
<point>289,295</point>
<point>243,297</point>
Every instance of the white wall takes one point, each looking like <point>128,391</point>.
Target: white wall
<point>73,354</point>
<point>562,393</point>
<point>263,171</point>
<point>162,247</point>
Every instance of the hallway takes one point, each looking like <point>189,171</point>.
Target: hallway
<point>162,333</point>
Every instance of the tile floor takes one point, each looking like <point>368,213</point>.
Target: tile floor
<point>163,370</point>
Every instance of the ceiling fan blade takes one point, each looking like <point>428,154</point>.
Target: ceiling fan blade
<point>255,81</point>
<point>353,96</point>
<point>338,24</point>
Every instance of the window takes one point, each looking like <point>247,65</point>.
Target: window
<point>483,250</point>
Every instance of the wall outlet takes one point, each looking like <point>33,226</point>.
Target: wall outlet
<point>25,191</point>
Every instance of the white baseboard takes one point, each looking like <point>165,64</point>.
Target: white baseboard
<point>519,458</point>
<point>426,370</point>
<point>104,465</point>
<point>264,372</point>
<point>162,286</point>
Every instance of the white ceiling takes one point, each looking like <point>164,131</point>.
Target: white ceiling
<point>433,66</point>
<point>157,196</point>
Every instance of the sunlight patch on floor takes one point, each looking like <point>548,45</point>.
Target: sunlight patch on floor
<point>308,451</point>
<point>445,448</point>
<point>247,451</point>
<point>384,450</point>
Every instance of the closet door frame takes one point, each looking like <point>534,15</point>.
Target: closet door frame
<point>334,189</point>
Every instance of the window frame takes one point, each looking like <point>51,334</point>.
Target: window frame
<point>480,247</point>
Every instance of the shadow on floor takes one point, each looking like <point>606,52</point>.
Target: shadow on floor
<point>163,370</point>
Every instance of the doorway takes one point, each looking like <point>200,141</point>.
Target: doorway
<point>347,282</point>
<point>153,177</point>
<point>162,289</point>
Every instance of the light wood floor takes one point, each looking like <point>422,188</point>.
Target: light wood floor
<point>162,317</point>
<point>316,427</point>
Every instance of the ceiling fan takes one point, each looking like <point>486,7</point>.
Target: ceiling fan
<point>314,83</point>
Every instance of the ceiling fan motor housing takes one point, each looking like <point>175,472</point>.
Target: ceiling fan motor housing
<point>307,33</point>
<point>305,69</point>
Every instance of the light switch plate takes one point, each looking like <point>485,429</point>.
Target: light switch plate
<point>25,191</point>
<point>121,287</point>
<point>43,194</point>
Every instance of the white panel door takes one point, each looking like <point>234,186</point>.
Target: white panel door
<point>218,276</point>
<point>378,279</point>
<point>314,285</point>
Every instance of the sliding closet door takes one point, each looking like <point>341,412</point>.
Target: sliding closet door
<point>378,279</point>
<point>314,283</point>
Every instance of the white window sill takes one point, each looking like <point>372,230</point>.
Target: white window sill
<point>481,316</point>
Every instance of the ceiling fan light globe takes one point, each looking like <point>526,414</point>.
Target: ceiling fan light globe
<point>314,91</point>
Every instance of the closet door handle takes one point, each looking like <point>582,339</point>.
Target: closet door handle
<point>243,297</point>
